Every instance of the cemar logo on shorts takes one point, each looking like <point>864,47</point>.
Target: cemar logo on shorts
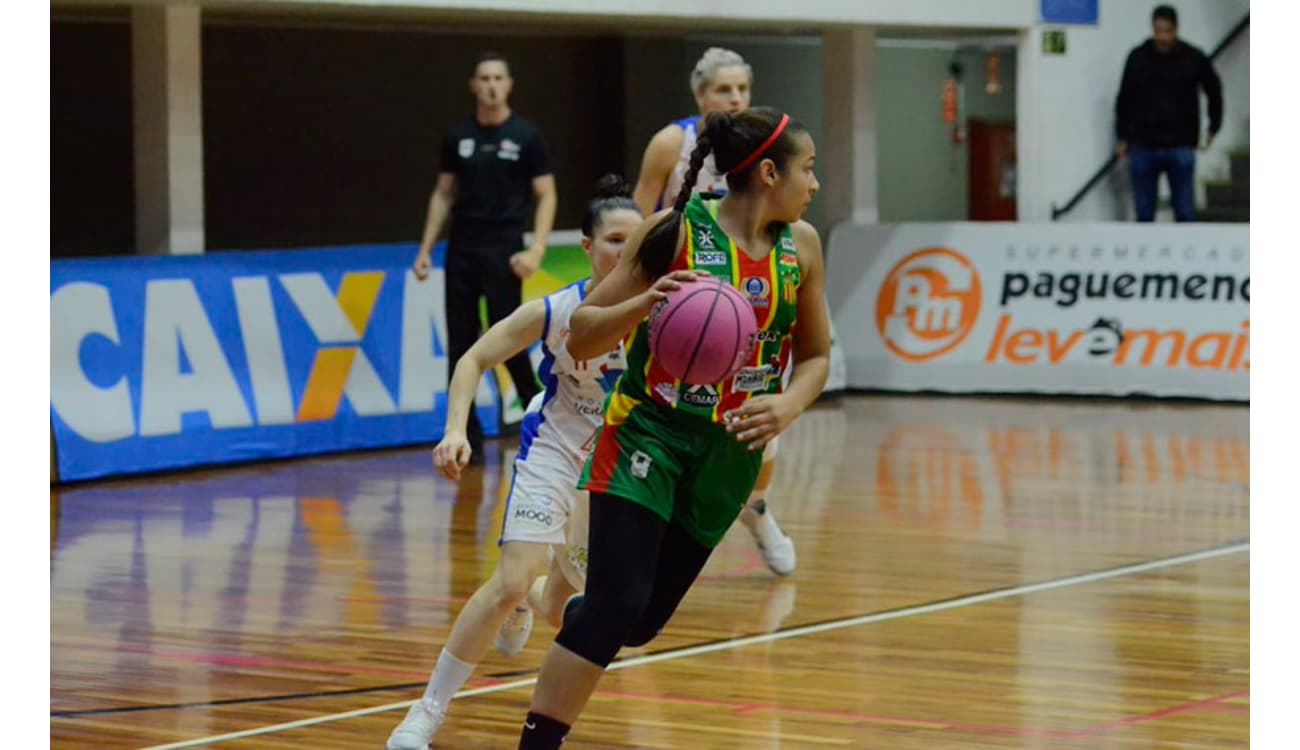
<point>641,465</point>
<point>466,147</point>
<point>928,304</point>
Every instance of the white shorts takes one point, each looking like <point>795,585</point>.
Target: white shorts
<point>545,507</point>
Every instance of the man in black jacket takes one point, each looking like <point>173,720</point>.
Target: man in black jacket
<point>1158,115</point>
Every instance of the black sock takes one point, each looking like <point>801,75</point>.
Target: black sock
<point>542,733</point>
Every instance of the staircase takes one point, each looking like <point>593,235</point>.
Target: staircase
<point>1229,200</point>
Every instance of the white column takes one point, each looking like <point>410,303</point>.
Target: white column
<point>848,158</point>
<point>167,80</point>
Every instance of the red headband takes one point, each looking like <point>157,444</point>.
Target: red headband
<point>780,127</point>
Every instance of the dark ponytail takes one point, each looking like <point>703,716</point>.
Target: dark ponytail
<point>659,247</point>
<point>732,139</point>
<point>612,193</point>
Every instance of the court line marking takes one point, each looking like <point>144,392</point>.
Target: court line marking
<point>780,635</point>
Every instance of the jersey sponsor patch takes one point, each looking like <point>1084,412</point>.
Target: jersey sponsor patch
<point>588,408</point>
<point>701,395</point>
<point>753,379</point>
<point>704,239</point>
<point>710,258</point>
<point>667,392</point>
<point>787,243</point>
<point>465,148</point>
<point>531,513</point>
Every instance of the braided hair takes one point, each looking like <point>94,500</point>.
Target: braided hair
<point>612,193</point>
<point>731,139</point>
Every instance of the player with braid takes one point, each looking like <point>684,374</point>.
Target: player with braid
<point>667,478</point>
<point>721,82</point>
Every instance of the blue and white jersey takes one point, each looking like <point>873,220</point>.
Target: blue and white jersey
<point>710,179</point>
<point>567,412</point>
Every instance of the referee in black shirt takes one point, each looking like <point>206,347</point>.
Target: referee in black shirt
<point>492,165</point>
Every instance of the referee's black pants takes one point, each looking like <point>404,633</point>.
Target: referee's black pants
<point>478,265</point>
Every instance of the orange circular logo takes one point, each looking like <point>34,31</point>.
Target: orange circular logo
<point>928,303</point>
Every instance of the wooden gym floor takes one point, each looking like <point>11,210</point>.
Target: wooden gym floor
<point>972,574</point>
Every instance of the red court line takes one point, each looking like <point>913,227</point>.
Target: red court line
<point>1163,713</point>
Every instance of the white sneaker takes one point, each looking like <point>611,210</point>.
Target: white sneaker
<point>416,731</point>
<point>514,631</point>
<point>777,548</point>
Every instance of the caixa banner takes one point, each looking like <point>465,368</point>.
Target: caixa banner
<point>166,361</point>
<point>1117,309</point>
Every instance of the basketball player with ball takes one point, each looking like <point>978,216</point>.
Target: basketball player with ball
<point>716,299</point>
<point>721,82</point>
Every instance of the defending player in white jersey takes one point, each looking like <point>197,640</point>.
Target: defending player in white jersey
<point>721,82</point>
<point>545,517</point>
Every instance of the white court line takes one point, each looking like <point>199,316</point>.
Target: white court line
<point>733,643</point>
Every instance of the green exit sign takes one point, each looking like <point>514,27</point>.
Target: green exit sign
<point>1054,41</point>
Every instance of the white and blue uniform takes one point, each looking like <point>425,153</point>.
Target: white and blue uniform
<point>556,436</point>
<point>710,180</point>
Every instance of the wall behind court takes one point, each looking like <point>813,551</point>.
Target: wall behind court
<point>923,174</point>
<point>92,153</point>
<point>331,136</point>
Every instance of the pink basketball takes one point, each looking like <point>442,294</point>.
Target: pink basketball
<point>703,332</point>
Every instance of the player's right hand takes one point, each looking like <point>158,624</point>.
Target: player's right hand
<point>422,266</point>
<point>670,282</point>
<point>452,454</point>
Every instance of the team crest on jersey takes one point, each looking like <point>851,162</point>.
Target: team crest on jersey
<point>704,238</point>
<point>509,150</point>
<point>710,258</point>
<point>465,147</point>
<point>758,291</point>
<point>701,395</point>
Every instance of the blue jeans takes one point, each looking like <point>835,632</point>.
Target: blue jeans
<point>1178,164</point>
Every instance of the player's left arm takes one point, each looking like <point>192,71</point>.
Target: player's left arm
<point>811,351</point>
<point>764,417</point>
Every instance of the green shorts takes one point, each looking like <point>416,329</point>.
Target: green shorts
<point>683,468</point>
